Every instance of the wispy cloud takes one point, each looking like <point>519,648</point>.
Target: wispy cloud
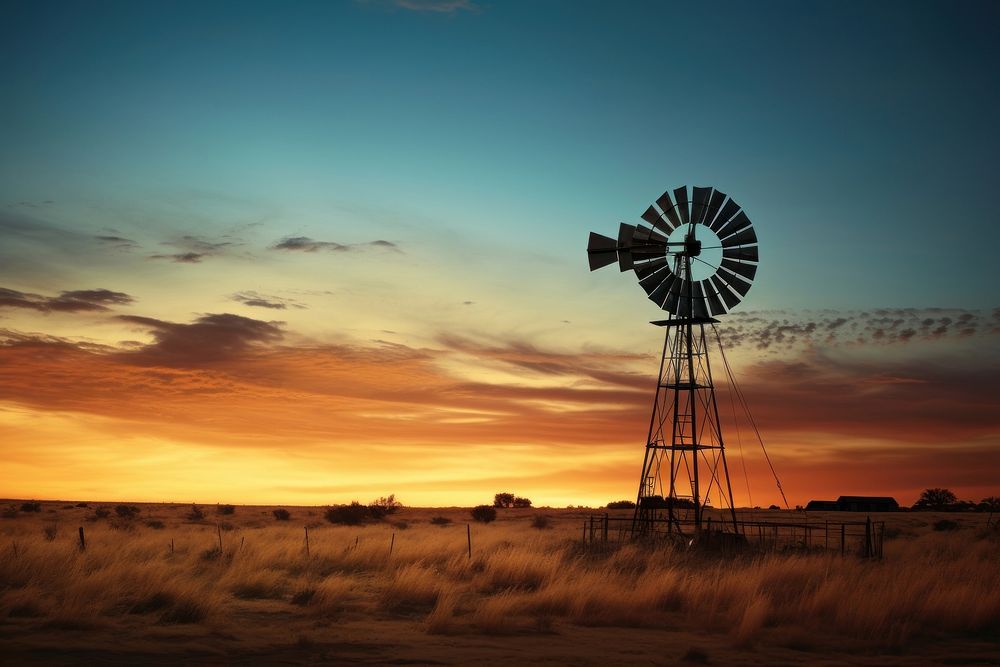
<point>425,6</point>
<point>306,244</point>
<point>256,300</point>
<point>66,302</point>
<point>194,249</point>
<point>118,242</point>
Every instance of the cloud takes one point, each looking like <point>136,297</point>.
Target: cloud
<point>118,242</point>
<point>306,244</point>
<point>251,298</point>
<point>183,257</point>
<point>777,332</point>
<point>194,249</point>
<point>67,302</point>
<point>210,338</point>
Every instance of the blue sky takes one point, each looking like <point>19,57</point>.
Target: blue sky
<point>859,136</point>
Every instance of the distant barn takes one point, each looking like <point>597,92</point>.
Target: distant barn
<point>855,504</point>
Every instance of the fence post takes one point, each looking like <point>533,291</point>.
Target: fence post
<point>307,541</point>
<point>83,541</point>
<point>218,527</point>
<point>468,537</point>
<point>583,537</point>
<point>605,526</point>
<point>392,543</point>
<point>843,539</point>
<point>171,546</point>
<point>868,537</point>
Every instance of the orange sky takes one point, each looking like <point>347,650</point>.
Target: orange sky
<point>234,409</point>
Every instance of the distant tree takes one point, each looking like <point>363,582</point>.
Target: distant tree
<point>31,507</point>
<point>380,507</point>
<point>281,514</point>
<point>503,500</point>
<point>522,502</point>
<point>991,504</point>
<point>935,499</point>
<point>483,513</point>
<point>620,505</point>
<point>354,514</point>
<point>773,507</point>
<point>225,509</point>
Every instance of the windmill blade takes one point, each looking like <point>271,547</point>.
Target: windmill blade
<point>654,280</point>
<point>739,222</point>
<point>625,234</point>
<point>659,293</point>
<point>745,237</point>
<point>700,308</point>
<point>669,210</point>
<point>734,280</point>
<point>601,251</point>
<point>681,195</point>
<point>671,303</point>
<point>727,295</point>
<point>714,303</point>
<point>746,253</point>
<point>647,269</point>
<point>700,204</point>
<point>729,209</point>
<point>625,262</point>
<point>747,271</point>
<point>714,204</point>
<point>642,253</point>
<point>655,218</point>
<point>645,235</point>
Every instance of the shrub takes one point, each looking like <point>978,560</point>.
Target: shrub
<point>101,512</point>
<point>483,513</point>
<point>83,505</point>
<point>350,515</point>
<point>196,513</point>
<point>621,505</point>
<point>773,507</point>
<point>946,524</point>
<point>10,512</point>
<point>440,521</point>
<point>31,507</point>
<point>540,521</point>
<point>281,514</point>
<point>522,502</point>
<point>50,532</point>
<point>503,500</point>
<point>127,511</point>
<point>380,507</point>
<point>155,524</point>
<point>225,509</point>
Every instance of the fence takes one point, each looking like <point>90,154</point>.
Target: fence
<point>861,538</point>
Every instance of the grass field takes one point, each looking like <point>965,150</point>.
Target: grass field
<point>157,588</point>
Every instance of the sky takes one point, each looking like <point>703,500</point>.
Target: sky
<point>306,253</point>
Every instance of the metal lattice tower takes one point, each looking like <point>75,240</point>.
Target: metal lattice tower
<point>696,259</point>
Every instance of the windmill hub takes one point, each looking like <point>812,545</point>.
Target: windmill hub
<point>684,471</point>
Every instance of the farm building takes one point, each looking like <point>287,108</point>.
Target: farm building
<point>855,504</point>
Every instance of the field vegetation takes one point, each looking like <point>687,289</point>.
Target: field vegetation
<point>166,582</point>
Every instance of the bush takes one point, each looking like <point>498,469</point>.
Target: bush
<point>773,507</point>
<point>155,524</point>
<point>540,521</point>
<point>354,514</point>
<point>127,511</point>
<point>483,513</point>
<point>381,507</point>
<point>946,524</point>
<point>281,514</point>
<point>521,502</point>
<point>225,509</point>
<point>196,513</point>
<point>31,507</point>
<point>50,532</point>
<point>440,521</point>
<point>503,500</point>
<point>83,505</point>
<point>621,505</point>
<point>101,512</point>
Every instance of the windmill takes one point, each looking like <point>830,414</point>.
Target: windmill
<point>695,257</point>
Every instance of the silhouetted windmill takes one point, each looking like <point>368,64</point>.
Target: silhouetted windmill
<point>695,258</point>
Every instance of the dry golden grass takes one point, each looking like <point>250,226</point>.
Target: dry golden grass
<point>931,587</point>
